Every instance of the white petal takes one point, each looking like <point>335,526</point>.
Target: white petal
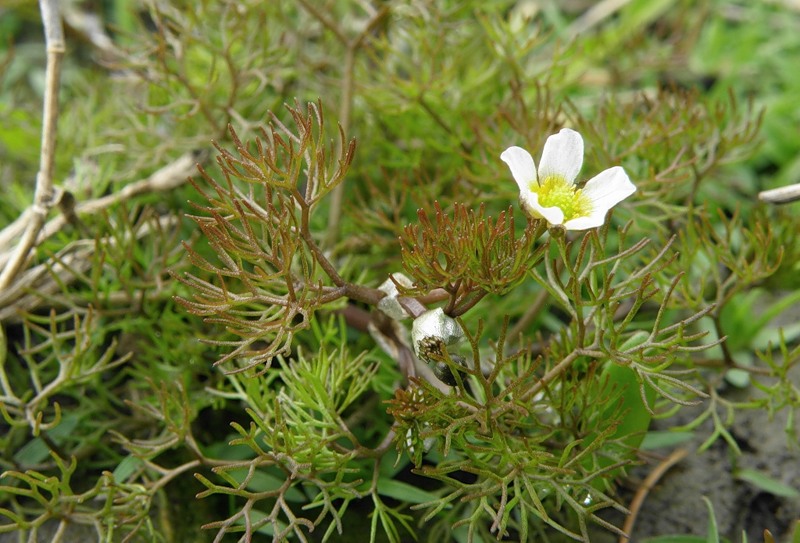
<point>562,155</point>
<point>530,201</point>
<point>605,190</point>
<point>522,167</point>
<point>585,223</point>
<point>609,187</point>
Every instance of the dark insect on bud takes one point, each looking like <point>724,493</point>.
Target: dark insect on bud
<point>445,372</point>
<point>432,334</point>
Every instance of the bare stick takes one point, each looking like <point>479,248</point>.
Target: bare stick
<point>595,15</point>
<point>647,485</point>
<point>169,177</point>
<point>41,283</point>
<point>781,195</point>
<point>43,195</point>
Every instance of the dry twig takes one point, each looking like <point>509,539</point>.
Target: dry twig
<point>169,177</point>
<point>43,196</point>
<point>644,489</point>
<point>77,256</point>
<point>42,282</point>
<point>781,195</point>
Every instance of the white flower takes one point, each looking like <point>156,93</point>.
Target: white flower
<point>550,192</point>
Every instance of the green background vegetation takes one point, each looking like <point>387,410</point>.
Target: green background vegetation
<point>115,416</point>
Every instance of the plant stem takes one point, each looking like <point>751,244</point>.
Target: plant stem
<point>644,489</point>
<point>346,104</point>
<point>554,372</point>
<point>43,195</point>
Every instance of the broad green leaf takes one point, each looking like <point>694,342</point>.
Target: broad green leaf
<point>767,483</point>
<point>129,465</point>
<point>265,482</point>
<point>36,450</point>
<point>627,403</point>
<point>676,539</point>
<point>680,539</point>
<point>657,440</point>
<point>404,492</point>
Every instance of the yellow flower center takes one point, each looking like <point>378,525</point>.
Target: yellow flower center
<point>555,191</point>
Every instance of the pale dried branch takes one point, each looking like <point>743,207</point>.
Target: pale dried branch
<point>595,15</point>
<point>44,280</point>
<point>169,177</point>
<point>43,195</point>
<point>644,490</point>
<point>781,195</point>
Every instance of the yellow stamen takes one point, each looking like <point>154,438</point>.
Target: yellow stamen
<point>555,191</point>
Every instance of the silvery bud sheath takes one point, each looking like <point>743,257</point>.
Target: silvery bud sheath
<point>390,334</point>
<point>432,334</point>
<point>389,304</point>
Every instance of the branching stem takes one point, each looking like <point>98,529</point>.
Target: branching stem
<point>553,373</point>
<point>346,105</point>
<point>351,290</point>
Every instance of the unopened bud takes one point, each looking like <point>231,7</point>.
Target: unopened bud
<point>432,333</point>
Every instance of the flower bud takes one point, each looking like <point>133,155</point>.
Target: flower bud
<point>432,333</point>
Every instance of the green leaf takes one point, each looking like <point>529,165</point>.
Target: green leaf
<point>713,532</point>
<point>658,440</point>
<point>738,378</point>
<point>266,482</point>
<point>766,483</point>
<point>36,450</point>
<point>639,14</point>
<point>404,492</point>
<point>256,515</point>
<point>129,465</point>
<point>636,417</point>
<point>627,406</point>
<point>680,539</point>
